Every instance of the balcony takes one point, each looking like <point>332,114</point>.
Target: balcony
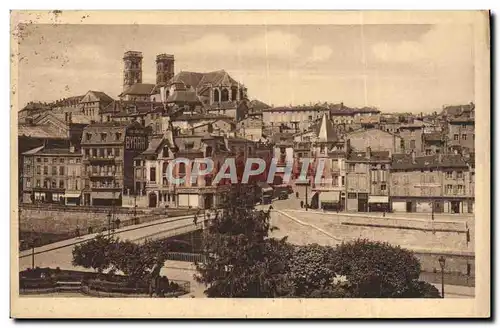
<point>109,158</point>
<point>107,175</point>
<point>107,187</point>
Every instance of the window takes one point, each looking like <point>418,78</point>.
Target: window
<point>118,136</point>
<point>152,174</point>
<point>402,144</point>
<point>165,152</point>
<point>54,160</point>
<point>45,170</point>
<point>87,152</point>
<point>352,167</point>
<point>460,175</point>
<point>455,137</point>
<point>38,169</point>
<point>28,182</point>
<point>117,152</point>
<point>38,183</point>
<point>310,117</point>
<point>182,168</point>
<point>464,136</point>
<point>61,160</point>
<point>189,145</point>
<point>61,170</point>
<point>45,160</point>
<point>412,144</point>
<point>428,151</point>
<point>94,152</point>
<point>460,189</point>
<point>109,152</point>
<point>343,181</point>
<point>138,174</point>
<point>61,184</point>
<point>351,195</point>
<point>383,187</point>
<point>54,184</point>
<point>78,160</point>
<point>101,152</point>
<point>38,160</point>
<point>449,189</point>
<point>54,170</point>
<point>449,175</point>
<point>89,136</point>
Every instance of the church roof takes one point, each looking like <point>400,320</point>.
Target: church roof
<point>196,79</point>
<point>141,89</point>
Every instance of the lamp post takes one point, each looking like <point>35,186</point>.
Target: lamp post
<point>109,224</point>
<point>307,187</point>
<point>442,262</point>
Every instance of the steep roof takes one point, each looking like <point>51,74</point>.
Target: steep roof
<point>92,96</point>
<point>183,97</point>
<point>326,131</point>
<point>196,79</point>
<point>154,144</point>
<point>42,131</point>
<point>141,89</point>
<point>258,105</point>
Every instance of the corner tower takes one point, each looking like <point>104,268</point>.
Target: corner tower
<point>164,68</point>
<point>132,72</point>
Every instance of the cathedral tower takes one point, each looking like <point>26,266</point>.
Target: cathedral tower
<point>132,72</point>
<point>164,68</point>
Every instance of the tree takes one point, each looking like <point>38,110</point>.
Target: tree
<point>310,269</point>
<point>376,269</point>
<point>241,261</point>
<point>94,253</point>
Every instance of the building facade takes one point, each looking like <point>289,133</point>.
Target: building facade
<point>437,183</point>
<point>52,175</point>
<point>108,151</point>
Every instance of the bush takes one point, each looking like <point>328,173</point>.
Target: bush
<point>376,269</point>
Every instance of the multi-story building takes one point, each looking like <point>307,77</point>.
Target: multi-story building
<point>433,143</point>
<point>367,180</point>
<point>412,135</point>
<point>52,175</point>
<point>93,103</point>
<point>435,183</point>
<point>108,151</point>
<point>297,119</point>
<point>376,139</point>
<point>460,134</point>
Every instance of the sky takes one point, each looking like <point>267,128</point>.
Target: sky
<point>396,68</point>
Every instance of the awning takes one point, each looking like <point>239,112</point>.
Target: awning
<point>378,199</point>
<point>329,196</point>
<point>72,195</point>
<point>106,195</point>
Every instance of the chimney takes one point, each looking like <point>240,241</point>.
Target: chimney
<point>368,152</point>
<point>413,157</point>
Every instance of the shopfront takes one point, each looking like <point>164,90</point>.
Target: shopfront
<point>378,203</point>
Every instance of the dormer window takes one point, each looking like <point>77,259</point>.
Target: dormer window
<point>165,151</point>
<point>103,136</point>
<point>118,136</point>
<point>89,136</point>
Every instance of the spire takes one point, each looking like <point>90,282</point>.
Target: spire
<point>326,131</point>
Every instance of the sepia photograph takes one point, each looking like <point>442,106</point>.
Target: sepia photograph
<point>250,164</point>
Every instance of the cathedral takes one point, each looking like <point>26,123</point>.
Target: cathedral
<point>204,93</point>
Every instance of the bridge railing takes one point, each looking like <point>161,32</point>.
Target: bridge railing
<point>186,257</point>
